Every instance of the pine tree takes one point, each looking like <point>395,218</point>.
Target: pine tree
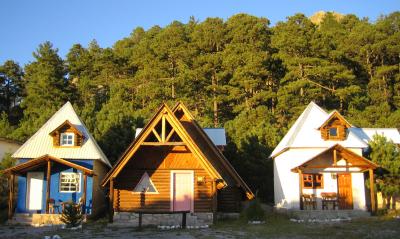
<point>386,154</point>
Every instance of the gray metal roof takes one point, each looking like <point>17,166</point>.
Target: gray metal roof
<point>41,142</point>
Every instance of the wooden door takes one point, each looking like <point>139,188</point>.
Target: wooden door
<point>35,190</point>
<point>182,191</point>
<point>345,191</point>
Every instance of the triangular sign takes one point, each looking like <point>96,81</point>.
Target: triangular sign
<point>145,185</point>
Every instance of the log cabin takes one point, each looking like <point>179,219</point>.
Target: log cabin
<point>173,166</point>
<point>60,163</point>
<point>320,163</point>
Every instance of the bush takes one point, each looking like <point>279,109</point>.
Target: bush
<point>254,212</point>
<point>71,215</point>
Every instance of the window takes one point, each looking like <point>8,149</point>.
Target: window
<point>313,181</point>
<point>333,132</point>
<point>145,185</point>
<point>70,182</point>
<point>67,139</point>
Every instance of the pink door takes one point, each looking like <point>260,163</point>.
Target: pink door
<point>182,194</point>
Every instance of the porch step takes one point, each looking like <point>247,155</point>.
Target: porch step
<point>307,215</point>
<point>21,218</point>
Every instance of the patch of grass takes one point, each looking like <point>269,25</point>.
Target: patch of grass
<point>279,226</point>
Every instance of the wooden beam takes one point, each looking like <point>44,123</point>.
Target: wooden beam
<point>372,190</point>
<point>156,134</point>
<point>84,193</point>
<point>170,135</point>
<point>337,166</point>
<point>214,196</point>
<point>334,157</point>
<point>163,143</point>
<point>11,196</point>
<point>48,179</point>
<point>163,129</point>
<point>301,189</point>
<point>111,203</point>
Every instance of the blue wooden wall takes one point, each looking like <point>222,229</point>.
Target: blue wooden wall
<point>54,187</point>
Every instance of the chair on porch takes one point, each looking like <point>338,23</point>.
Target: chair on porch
<point>309,201</point>
<point>329,199</point>
<point>53,207</point>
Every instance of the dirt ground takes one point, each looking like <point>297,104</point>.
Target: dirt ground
<point>274,228</point>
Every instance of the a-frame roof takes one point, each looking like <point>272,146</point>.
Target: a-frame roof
<point>41,143</point>
<point>335,114</point>
<point>205,142</point>
<point>64,124</point>
<point>203,150</point>
<point>305,133</point>
<point>354,159</point>
<point>40,161</point>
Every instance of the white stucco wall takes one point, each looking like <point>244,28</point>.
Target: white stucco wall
<point>7,147</point>
<point>286,182</point>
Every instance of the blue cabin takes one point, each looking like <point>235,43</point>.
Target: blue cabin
<point>61,163</point>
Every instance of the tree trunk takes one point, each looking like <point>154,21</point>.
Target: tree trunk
<point>214,83</point>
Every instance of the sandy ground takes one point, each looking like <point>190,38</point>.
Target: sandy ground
<point>274,228</point>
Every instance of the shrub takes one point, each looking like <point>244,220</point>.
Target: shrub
<point>254,212</point>
<point>71,215</point>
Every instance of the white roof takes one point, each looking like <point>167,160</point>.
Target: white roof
<point>41,142</point>
<point>217,135</point>
<point>305,134</point>
<point>367,134</point>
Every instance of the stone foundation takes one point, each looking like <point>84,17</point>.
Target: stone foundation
<point>132,219</point>
<point>36,219</point>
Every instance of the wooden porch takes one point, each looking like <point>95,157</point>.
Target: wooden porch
<point>340,163</point>
<point>46,161</point>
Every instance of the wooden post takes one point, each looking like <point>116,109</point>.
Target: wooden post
<point>214,196</point>
<point>372,190</point>
<point>111,196</point>
<point>163,129</point>
<point>84,193</point>
<point>301,189</point>
<point>140,220</point>
<point>184,220</point>
<point>334,157</point>
<point>48,178</point>
<point>11,196</point>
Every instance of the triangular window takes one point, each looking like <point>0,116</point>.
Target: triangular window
<point>145,185</point>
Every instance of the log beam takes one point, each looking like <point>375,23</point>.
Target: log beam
<point>111,203</point>
<point>372,190</point>
<point>11,196</point>
<point>48,179</point>
<point>301,189</point>
<point>84,194</point>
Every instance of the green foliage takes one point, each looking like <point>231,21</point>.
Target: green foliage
<point>254,212</point>
<point>5,163</point>
<point>386,154</point>
<point>71,215</point>
<point>240,73</point>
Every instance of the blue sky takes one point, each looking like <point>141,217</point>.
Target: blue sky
<point>26,24</point>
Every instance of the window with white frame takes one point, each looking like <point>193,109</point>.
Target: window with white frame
<point>67,139</point>
<point>70,182</point>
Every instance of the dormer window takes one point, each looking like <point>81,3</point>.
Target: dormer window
<point>67,135</point>
<point>333,132</point>
<point>335,127</point>
<point>67,139</point>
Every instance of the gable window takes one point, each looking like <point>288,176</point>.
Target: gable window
<point>314,181</point>
<point>333,132</point>
<point>145,185</point>
<point>70,182</point>
<point>67,139</point>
